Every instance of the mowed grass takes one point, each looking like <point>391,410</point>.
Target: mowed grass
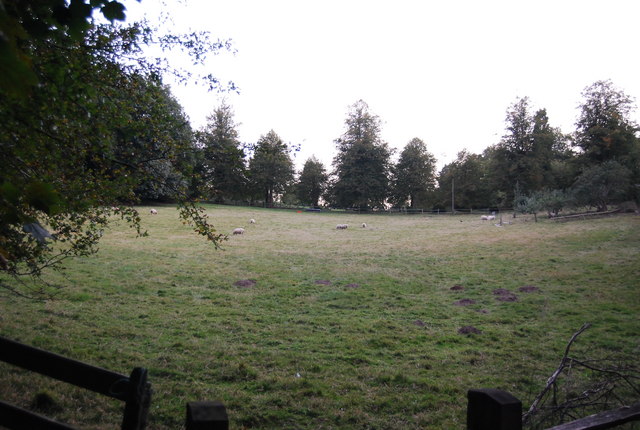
<point>375,345</point>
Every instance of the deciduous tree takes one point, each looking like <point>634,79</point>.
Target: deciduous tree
<point>78,144</point>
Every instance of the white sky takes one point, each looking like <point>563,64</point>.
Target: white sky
<point>443,71</point>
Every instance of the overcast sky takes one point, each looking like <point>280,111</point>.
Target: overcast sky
<point>442,71</point>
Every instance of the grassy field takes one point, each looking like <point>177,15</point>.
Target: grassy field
<point>355,328</point>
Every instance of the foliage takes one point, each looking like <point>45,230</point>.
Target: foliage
<point>413,175</point>
<point>224,170</point>
<point>362,164</point>
<point>312,182</point>
<point>465,180</point>
<point>553,201</point>
<point>76,148</point>
<point>602,184</point>
<point>604,130</point>
<point>526,153</point>
<point>271,169</point>
<point>22,22</point>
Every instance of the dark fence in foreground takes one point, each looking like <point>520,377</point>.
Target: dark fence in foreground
<point>490,409</point>
<point>134,390</point>
<point>487,409</point>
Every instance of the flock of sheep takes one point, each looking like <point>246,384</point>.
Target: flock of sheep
<point>240,230</point>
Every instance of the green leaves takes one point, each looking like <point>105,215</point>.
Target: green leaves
<point>113,11</point>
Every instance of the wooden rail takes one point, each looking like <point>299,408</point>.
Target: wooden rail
<point>134,390</point>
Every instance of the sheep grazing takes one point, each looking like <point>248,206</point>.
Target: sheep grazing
<point>484,217</point>
<point>153,212</point>
<point>238,231</point>
<point>491,217</point>
<point>252,221</point>
<point>341,227</point>
<point>364,225</point>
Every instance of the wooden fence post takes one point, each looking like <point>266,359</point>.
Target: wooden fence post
<point>491,409</point>
<point>136,409</point>
<point>206,416</point>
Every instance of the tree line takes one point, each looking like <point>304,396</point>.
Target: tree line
<point>533,167</point>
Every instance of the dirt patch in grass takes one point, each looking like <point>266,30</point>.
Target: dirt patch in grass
<point>464,302</point>
<point>245,283</point>
<point>419,323</point>
<point>528,288</point>
<point>504,295</point>
<point>457,287</point>
<point>469,329</point>
<point>352,286</point>
<point>322,282</point>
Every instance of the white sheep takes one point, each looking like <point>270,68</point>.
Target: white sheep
<point>491,217</point>
<point>484,217</point>
<point>364,225</point>
<point>153,212</point>
<point>238,230</point>
<point>341,227</point>
<point>252,221</point>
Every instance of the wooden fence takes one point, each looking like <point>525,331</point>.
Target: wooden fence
<point>487,409</point>
<point>134,390</point>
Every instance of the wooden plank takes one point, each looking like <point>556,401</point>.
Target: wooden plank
<point>15,418</point>
<point>56,366</point>
<point>604,420</point>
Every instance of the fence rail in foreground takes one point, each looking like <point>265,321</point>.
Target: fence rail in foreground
<point>487,409</point>
<point>490,409</point>
<point>134,390</point>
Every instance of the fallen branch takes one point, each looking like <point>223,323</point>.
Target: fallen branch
<point>551,381</point>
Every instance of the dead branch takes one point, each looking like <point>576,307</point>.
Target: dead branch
<point>551,381</point>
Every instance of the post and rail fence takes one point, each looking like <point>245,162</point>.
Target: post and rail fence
<point>487,409</point>
<point>134,390</point>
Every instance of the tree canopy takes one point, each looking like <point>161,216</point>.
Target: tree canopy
<point>84,132</point>
<point>414,174</point>
<point>362,165</point>
<point>271,169</point>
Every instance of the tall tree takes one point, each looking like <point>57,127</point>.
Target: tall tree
<point>362,164</point>
<point>224,164</point>
<point>312,182</point>
<point>527,151</point>
<point>414,174</point>
<point>77,144</point>
<point>604,129</point>
<point>271,169</point>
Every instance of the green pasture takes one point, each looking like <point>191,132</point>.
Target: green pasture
<point>355,328</point>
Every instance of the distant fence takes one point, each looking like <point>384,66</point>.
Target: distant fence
<point>134,390</point>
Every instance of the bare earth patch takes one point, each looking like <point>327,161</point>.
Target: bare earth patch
<point>528,288</point>
<point>457,287</point>
<point>352,286</point>
<point>419,323</point>
<point>245,283</point>
<point>469,329</point>
<point>504,295</point>
<point>464,302</point>
<point>323,282</point>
